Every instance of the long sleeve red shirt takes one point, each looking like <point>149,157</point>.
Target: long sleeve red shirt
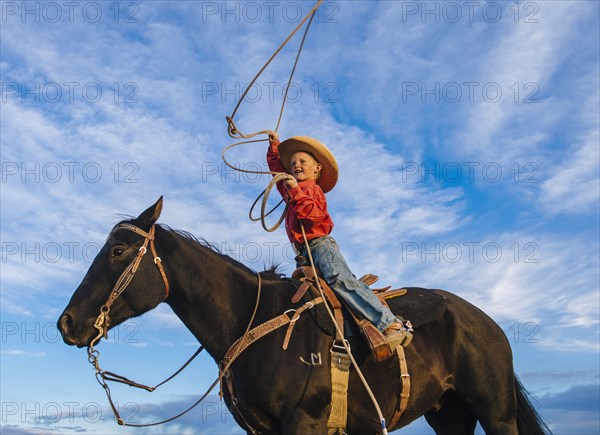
<point>306,201</point>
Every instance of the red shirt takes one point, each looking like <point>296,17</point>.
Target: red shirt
<point>306,201</point>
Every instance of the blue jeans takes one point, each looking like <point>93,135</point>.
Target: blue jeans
<point>334,269</point>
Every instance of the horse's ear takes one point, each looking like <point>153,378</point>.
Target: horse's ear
<point>150,215</point>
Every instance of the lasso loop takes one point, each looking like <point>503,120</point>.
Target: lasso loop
<point>277,177</point>
<point>234,132</point>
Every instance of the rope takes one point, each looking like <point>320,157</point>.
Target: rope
<point>277,176</point>
<point>345,342</point>
<point>234,132</point>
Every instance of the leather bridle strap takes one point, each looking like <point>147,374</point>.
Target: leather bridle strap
<point>127,275</point>
<point>102,322</point>
<point>148,238</point>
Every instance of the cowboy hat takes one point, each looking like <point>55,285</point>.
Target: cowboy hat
<point>329,171</point>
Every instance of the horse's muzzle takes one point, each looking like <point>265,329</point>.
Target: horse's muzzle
<point>65,325</point>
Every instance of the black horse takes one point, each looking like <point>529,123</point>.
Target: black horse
<point>458,375</point>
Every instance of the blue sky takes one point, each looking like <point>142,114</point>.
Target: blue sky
<point>468,142</point>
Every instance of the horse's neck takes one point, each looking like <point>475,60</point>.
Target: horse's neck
<point>213,297</point>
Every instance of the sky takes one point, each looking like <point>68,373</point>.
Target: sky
<point>467,136</point>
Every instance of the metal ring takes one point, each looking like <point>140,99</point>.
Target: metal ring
<point>292,310</point>
<point>340,346</point>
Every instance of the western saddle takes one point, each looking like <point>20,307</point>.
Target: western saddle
<point>378,343</point>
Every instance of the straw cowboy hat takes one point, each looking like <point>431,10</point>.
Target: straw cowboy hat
<point>329,171</point>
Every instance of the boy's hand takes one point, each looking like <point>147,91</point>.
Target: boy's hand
<point>290,182</point>
<point>273,136</point>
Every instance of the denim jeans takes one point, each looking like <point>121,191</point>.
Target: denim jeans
<point>357,295</point>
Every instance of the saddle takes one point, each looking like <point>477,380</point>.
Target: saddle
<point>378,344</point>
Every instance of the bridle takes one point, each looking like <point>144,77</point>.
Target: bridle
<point>102,322</point>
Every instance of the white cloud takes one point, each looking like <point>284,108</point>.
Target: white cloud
<point>21,352</point>
<point>491,126</point>
<point>574,185</point>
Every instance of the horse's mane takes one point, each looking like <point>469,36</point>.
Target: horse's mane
<point>270,272</point>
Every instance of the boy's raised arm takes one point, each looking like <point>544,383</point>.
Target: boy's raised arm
<point>274,160</point>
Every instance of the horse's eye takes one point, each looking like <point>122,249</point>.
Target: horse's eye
<point>118,251</point>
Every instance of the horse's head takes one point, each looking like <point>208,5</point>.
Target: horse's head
<point>109,286</point>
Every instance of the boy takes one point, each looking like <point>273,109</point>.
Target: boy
<point>314,171</point>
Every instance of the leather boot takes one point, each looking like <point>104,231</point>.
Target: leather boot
<point>397,335</point>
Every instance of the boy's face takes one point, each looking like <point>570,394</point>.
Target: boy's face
<point>304,167</point>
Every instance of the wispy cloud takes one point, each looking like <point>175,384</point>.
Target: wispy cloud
<point>21,352</point>
<point>574,186</point>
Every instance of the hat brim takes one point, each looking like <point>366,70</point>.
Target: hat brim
<point>329,171</point>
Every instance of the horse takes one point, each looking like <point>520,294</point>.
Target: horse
<point>459,377</point>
